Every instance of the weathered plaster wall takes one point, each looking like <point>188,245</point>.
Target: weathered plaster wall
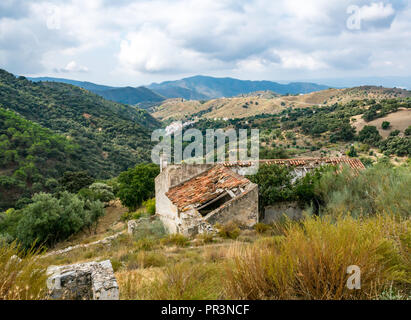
<point>275,212</point>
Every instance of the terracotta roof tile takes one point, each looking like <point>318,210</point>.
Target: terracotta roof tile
<point>205,187</point>
<point>305,162</point>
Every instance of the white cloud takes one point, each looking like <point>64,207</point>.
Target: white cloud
<point>73,67</point>
<point>376,11</point>
<point>125,41</point>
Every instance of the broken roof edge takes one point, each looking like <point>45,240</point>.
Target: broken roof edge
<point>354,163</point>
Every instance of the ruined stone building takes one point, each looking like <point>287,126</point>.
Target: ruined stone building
<point>191,199</point>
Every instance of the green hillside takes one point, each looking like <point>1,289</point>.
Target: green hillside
<point>111,137</point>
<point>32,158</point>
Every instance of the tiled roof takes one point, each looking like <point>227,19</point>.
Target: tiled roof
<point>303,162</point>
<point>205,187</point>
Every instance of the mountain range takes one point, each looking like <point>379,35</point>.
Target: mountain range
<point>206,88</point>
<point>192,88</point>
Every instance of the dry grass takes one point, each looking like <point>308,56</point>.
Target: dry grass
<point>182,281</point>
<point>311,260</point>
<point>22,277</point>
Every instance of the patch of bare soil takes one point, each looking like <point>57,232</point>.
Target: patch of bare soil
<point>399,120</point>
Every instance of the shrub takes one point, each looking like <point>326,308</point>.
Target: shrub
<point>153,229</point>
<point>229,230</point>
<point>176,239</point>
<point>352,153</point>
<point>262,227</point>
<point>102,192</point>
<point>48,220</point>
<point>396,145</point>
<point>150,206</point>
<point>376,189</point>
<point>385,125</point>
<point>206,238</point>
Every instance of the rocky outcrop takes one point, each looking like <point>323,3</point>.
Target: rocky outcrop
<point>85,281</point>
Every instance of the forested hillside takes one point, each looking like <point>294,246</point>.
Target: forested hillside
<point>100,137</point>
<point>32,158</point>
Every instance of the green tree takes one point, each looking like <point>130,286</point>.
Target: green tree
<point>274,184</point>
<point>137,185</point>
<point>385,125</point>
<point>352,153</point>
<point>74,181</point>
<point>369,135</point>
<point>48,219</point>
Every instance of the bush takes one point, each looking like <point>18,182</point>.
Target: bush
<point>48,220</point>
<point>147,228</point>
<point>376,189</point>
<point>262,227</point>
<point>229,230</point>
<point>176,239</point>
<point>150,206</point>
<point>102,192</point>
<point>385,125</point>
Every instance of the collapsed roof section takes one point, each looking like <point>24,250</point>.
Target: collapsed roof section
<point>208,190</point>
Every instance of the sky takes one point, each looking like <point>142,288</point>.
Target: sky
<point>126,42</point>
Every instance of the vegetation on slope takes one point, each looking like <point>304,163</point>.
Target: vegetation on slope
<point>111,137</point>
<point>32,158</point>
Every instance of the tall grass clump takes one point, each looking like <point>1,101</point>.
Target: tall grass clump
<point>380,188</point>
<point>21,275</point>
<point>310,261</point>
<point>182,281</point>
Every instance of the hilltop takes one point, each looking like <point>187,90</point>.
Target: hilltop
<point>49,128</point>
<point>141,96</point>
<point>205,88</point>
<point>257,103</point>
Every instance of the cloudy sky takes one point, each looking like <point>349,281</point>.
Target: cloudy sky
<point>125,42</point>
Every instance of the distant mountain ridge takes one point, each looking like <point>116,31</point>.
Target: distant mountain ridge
<point>192,88</point>
<point>141,96</point>
<point>205,88</point>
